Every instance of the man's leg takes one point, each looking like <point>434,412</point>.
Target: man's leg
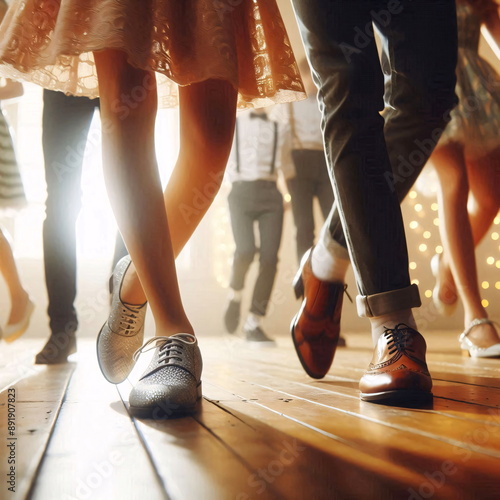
<point>242,222</point>
<point>66,121</point>
<point>269,202</point>
<point>341,49</point>
<point>301,190</point>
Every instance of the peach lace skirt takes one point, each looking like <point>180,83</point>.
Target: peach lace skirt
<point>50,43</point>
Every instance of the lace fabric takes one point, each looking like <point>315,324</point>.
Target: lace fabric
<point>51,43</point>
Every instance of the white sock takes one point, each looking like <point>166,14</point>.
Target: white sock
<point>253,321</point>
<point>326,265</point>
<point>235,295</point>
<point>379,323</point>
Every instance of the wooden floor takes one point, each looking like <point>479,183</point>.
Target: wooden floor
<point>265,431</point>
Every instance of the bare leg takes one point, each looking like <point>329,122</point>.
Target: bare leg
<point>484,181</point>
<point>19,297</point>
<point>456,235</point>
<point>206,134</point>
<point>133,184</point>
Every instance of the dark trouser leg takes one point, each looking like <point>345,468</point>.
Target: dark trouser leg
<point>323,186</point>
<point>346,68</point>
<point>270,219</point>
<point>242,221</point>
<point>301,190</point>
<point>66,121</point>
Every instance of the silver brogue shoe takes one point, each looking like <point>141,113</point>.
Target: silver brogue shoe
<point>171,385</point>
<point>123,332</point>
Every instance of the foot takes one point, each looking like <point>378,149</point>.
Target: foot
<point>398,371</point>
<point>171,385</point>
<point>258,336</point>
<point>19,319</point>
<point>232,316</point>
<point>316,327</point>
<point>480,339</point>
<point>444,295</point>
<point>57,349</point>
<point>123,332</point>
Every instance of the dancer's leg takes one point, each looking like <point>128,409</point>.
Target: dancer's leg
<point>19,297</point>
<point>134,188</point>
<point>456,236</point>
<point>484,181</point>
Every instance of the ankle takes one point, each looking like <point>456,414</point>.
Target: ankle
<point>380,323</point>
<point>327,266</point>
<point>253,321</point>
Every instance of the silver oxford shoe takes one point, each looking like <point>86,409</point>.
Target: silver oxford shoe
<point>123,332</point>
<point>171,385</point>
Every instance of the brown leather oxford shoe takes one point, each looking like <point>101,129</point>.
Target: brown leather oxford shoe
<point>398,372</point>
<point>316,327</point>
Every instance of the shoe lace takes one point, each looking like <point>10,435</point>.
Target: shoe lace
<point>170,347</point>
<point>399,338</point>
<point>129,317</point>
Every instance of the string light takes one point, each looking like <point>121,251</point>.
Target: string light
<point>415,282</point>
<point>418,207</point>
<point>422,247</point>
<point>412,195</point>
<point>485,303</point>
<point>485,285</point>
<point>436,221</point>
<point>427,234</point>
<point>439,249</point>
<point>428,293</point>
<point>494,236</point>
<point>434,207</point>
<point>413,224</point>
<point>490,261</point>
<point>497,285</point>
<point>413,265</point>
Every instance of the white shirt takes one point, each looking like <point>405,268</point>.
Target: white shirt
<point>256,147</point>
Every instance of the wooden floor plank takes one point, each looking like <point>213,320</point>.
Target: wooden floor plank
<point>36,411</point>
<point>95,451</point>
<point>191,461</point>
<point>266,430</point>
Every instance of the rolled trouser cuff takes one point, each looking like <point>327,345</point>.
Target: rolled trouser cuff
<point>378,304</point>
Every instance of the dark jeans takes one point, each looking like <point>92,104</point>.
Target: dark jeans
<point>261,202</point>
<point>66,121</point>
<point>374,161</point>
<point>311,181</point>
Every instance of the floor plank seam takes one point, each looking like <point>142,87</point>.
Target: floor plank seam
<point>148,451</point>
<point>33,481</point>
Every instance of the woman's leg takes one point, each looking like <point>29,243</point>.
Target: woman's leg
<point>456,235</point>
<point>19,297</point>
<point>207,120</point>
<point>133,184</point>
<point>484,181</point>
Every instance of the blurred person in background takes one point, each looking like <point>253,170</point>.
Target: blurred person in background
<point>255,199</point>
<point>12,196</point>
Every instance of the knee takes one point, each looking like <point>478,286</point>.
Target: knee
<point>244,258</point>
<point>453,184</point>
<point>268,263</point>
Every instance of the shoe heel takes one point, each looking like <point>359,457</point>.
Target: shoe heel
<point>298,285</point>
